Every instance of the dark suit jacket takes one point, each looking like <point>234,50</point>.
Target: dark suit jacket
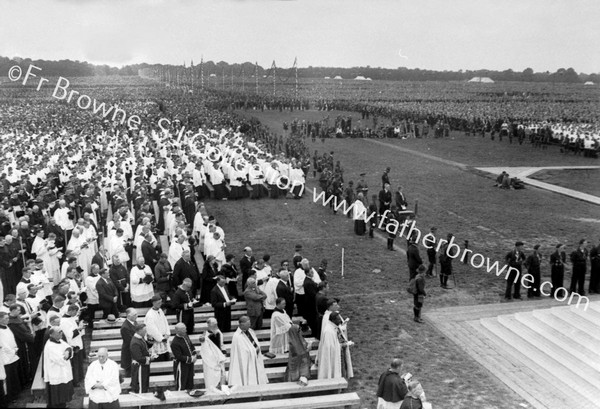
<point>150,254</point>
<point>246,265</point>
<point>139,351</point>
<point>127,331</point>
<point>286,292</point>
<point>254,301</point>
<point>106,292</point>
<point>182,270</point>
<point>413,257</point>
<point>98,259</point>
<point>222,312</point>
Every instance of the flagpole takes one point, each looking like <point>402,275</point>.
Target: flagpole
<point>274,68</point>
<point>256,75</point>
<point>342,262</point>
<point>296,71</point>
<point>202,72</point>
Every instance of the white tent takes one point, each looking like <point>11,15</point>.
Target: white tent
<point>486,80</point>
<point>589,83</point>
<point>337,77</point>
<point>368,79</point>
<point>212,75</point>
<point>360,78</point>
<point>327,78</point>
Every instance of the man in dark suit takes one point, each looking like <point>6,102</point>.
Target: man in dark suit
<point>120,277</point>
<point>183,303</point>
<point>246,264</point>
<point>140,360</point>
<point>385,199</point>
<point>515,260</point>
<point>285,290</point>
<point>100,257</point>
<point>413,257</point>
<point>579,260</point>
<point>150,254</point>
<point>184,358</point>
<point>127,332</point>
<point>107,294</point>
<point>385,178</point>
<point>222,302</point>
<point>183,269</point>
<point>310,300</point>
<point>532,263</point>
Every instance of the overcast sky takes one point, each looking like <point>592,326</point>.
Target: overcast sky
<point>429,34</point>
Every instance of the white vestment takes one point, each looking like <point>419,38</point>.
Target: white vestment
<point>54,358</point>
<point>246,366</point>
<point>280,325</point>
<point>157,327</point>
<point>213,363</point>
<point>108,375</point>
<point>140,292</point>
<point>329,355</point>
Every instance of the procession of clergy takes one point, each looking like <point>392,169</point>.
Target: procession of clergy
<point>58,268</point>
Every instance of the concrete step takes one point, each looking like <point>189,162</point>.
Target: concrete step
<point>545,366</point>
<point>577,351</point>
<point>522,359</point>
<point>568,328</point>
<point>589,326</point>
<point>510,369</point>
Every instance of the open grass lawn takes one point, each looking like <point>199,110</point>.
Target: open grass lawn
<point>455,200</point>
<point>584,180</point>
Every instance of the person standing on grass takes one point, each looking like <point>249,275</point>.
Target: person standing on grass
<point>419,294</point>
<point>579,260</point>
<point>514,259</point>
<point>391,389</point>
<point>594,287</point>
<point>533,267</point>
<point>445,263</point>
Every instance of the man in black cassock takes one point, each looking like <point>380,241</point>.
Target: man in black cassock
<point>184,358</point>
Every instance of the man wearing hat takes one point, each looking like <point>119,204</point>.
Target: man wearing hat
<point>107,294</point>
<point>515,260</point>
<point>533,267</point>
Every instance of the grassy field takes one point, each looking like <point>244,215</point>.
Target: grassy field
<point>455,200</point>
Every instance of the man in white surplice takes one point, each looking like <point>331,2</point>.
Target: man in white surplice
<point>157,327</point>
<point>78,245</point>
<point>246,366</point>
<point>280,326</point>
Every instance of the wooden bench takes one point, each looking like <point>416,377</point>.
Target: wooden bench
<point>172,319</point>
<point>236,392</point>
<point>342,400</point>
<point>274,374</point>
<point>115,353</point>
<point>279,360</point>
<point>240,305</point>
<point>115,332</point>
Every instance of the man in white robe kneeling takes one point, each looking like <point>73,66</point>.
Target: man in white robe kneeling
<point>246,366</point>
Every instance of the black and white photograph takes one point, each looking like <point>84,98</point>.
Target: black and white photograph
<point>269,204</point>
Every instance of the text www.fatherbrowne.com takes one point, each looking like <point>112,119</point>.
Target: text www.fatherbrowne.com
<point>453,250</point>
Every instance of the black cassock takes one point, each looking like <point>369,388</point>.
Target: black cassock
<point>183,367</point>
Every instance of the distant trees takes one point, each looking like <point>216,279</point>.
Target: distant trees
<point>68,68</point>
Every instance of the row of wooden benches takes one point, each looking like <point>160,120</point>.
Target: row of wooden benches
<point>310,396</point>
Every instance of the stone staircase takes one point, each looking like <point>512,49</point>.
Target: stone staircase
<point>548,354</point>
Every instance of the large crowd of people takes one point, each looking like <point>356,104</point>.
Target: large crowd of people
<point>100,222</point>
